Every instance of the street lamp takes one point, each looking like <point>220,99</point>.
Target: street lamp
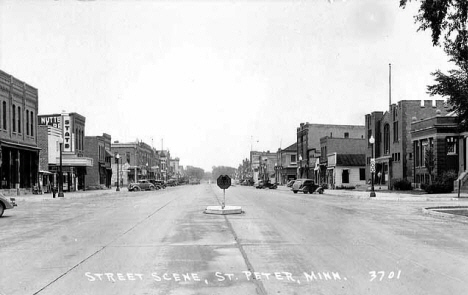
<point>372,166</point>
<point>60,194</point>
<point>300,166</point>
<point>117,158</point>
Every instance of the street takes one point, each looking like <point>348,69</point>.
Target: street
<point>161,242</point>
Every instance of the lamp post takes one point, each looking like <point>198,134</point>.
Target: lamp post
<point>372,166</point>
<point>60,193</point>
<point>117,158</point>
<point>300,166</point>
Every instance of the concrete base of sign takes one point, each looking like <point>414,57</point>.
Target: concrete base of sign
<point>223,211</point>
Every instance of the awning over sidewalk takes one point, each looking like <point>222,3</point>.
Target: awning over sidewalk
<point>45,172</point>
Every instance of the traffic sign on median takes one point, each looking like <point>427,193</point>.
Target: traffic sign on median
<point>224,181</point>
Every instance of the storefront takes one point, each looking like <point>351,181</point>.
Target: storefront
<point>19,166</point>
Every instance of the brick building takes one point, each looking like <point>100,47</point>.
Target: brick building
<point>308,143</point>
<point>68,131</point>
<point>19,153</point>
<point>286,164</point>
<point>138,160</point>
<point>393,147</point>
<point>342,162</point>
<point>99,149</point>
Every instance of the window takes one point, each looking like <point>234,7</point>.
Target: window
<point>293,158</point>
<point>19,120</point>
<point>451,145</point>
<point>386,139</point>
<point>13,119</point>
<point>346,135</point>
<point>4,116</point>
<point>395,131</point>
<point>32,123</point>
<point>362,173</point>
<point>128,157</point>
<point>27,122</point>
<point>345,176</point>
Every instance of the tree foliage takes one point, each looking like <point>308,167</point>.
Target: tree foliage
<point>195,172</point>
<point>223,170</point>
<point>447,21</point>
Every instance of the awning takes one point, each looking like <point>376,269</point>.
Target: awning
<point>45,172</point>
<point>20,146</point>
<point>74,161</point>
<point>109,153</point>
<point>383,159</point>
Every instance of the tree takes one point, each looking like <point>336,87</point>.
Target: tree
<point>429,162</point>
<point>447,20</point>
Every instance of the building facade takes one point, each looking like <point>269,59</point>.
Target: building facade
<point>393,146</point>
<point>263,166</point>
<point>66,133</point>
<point>19,153</point>
<point>99,149</point>
<point>308,143</point>
<point>137,161</point>
<point>286,164</point>
<point>345,167</point>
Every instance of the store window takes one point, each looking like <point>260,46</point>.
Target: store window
<point>386,139</point>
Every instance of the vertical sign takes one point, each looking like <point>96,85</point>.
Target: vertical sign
<point>67,134</point>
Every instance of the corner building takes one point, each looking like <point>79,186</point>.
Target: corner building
<point>19,153</point>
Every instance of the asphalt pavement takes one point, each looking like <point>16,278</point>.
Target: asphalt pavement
<point>161,242</point>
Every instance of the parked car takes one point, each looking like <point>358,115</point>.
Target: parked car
<point>266,184</point>
<point>290,183</point>
<point>6,203</point>
<point>141,185</point>
<point>307,186</point>
<point>158,184</point>
<point>172,182</point>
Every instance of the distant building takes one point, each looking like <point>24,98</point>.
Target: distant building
<point>137,160</point>
<point>99,149</point>
<point>19,153</point>
<point>308,143</point>
<point>263,165</point>
<point>286,164</point>
<point>68,128</point>
<point>393,146</point>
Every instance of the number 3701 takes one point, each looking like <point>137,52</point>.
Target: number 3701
<point>382,275</point>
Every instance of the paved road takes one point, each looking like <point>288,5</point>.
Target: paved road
<point>161,243</point>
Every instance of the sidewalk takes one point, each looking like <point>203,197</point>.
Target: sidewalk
<point>67,195</point>
<point>391,195</point>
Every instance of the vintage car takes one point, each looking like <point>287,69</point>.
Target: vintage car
<point>141,185</point>
<point>158,184</point>
<point>290,183</point>
<point>266,184</point>
<point>6,203</point>
<point>307,186</point>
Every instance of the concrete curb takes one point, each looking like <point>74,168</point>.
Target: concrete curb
<point>431,211</point>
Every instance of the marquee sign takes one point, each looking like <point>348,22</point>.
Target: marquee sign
<point>52,120</point>
<point>67,134</point>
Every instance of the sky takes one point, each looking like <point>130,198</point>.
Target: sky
<point>211,80</point>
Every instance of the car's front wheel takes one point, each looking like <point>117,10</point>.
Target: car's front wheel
<point>136,189</point>
<point>295,192</point>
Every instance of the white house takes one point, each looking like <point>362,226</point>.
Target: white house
<point>346,170</point>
